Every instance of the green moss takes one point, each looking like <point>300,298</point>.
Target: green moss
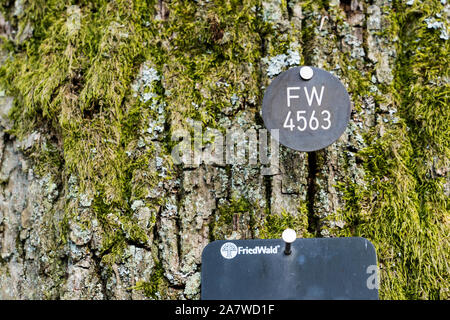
<point>73,78</point>
<point>155,286</point>
<point>231,216</point>
<point>402,207</point>
<point>47,157</point>
<point>203,72</point>
<point>64,229</point>
<point>118,229</point>
<point>274,225</point>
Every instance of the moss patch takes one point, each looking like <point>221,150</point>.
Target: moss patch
<point>156,286</point>
<point>231,217</point>
<point>274,225</point>
<point>403,209</point>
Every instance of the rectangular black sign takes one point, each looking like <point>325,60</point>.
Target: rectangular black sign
<point>318,268</point>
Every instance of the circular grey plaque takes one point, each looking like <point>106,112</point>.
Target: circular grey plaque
<point>310,114</point>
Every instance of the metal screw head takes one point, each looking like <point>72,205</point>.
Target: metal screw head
<point>306,73</point>
<point>289,235</point>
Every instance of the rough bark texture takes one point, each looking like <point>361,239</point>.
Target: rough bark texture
<point>91,204</point>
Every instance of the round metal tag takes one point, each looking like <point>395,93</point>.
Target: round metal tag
<point>310,107</point>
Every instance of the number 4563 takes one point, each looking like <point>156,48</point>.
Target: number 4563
<point>312,123</point>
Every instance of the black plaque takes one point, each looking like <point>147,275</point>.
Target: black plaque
<point>317,268</point>
<point>310,114</point>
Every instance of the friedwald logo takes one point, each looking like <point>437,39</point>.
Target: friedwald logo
<point>229,250</point>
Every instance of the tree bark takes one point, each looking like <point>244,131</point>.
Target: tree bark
<point>92,205</point>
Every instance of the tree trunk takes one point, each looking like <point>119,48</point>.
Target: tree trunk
<point>93,204</point>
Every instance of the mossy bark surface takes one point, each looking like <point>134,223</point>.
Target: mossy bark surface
<point>92,203</point>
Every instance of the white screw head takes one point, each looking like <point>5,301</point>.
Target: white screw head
<point>306,73</point>
<point>289,235</point>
